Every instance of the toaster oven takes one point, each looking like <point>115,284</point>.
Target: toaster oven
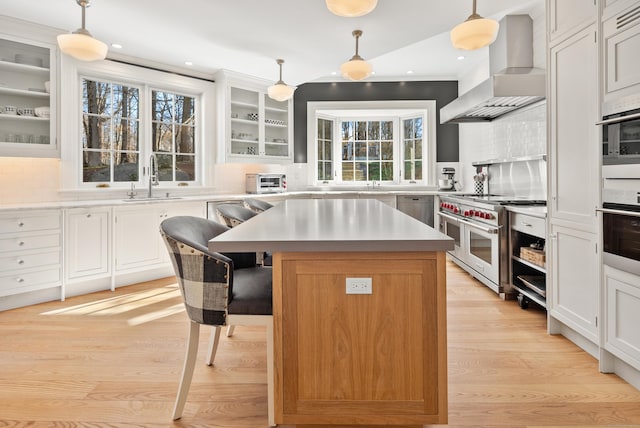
<point>266,183</point>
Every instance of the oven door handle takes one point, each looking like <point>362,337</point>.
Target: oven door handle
<point>468,223</point>
<point>619,119</point>
<point>610,211</point>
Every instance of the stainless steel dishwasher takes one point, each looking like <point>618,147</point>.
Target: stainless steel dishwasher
<point>419,207</point>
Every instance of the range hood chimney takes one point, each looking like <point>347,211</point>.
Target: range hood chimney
<point>514,82</point>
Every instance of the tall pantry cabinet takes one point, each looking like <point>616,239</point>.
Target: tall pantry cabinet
<point>574,177</point>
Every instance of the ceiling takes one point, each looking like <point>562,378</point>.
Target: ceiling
<point>248,35</point>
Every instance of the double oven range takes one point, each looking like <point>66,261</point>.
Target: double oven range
<point>478,226</point>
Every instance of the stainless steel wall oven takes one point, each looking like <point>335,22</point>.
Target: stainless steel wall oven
<point>621,236</point>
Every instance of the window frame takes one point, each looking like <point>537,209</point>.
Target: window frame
<point>339,110</point>
<point>147,80</point>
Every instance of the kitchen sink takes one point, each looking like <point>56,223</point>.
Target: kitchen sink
<point>153,198</point>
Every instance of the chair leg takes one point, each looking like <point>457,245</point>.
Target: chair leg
<point>213,345</point>
<point>187,371</point>
<point>230,329</point>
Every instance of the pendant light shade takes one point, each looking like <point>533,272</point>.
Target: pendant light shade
<point>474,33</point>
<point>351,8</point>
<point>80,44</point>
<point>280,91</point>
<point>356,68</point>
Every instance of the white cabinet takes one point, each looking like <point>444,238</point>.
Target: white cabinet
<point>575,277</point>
<point>573,135</point>
<point>138,244</point>
<point>30,251</point>
<point>27,110</point>
<point>253,127</point>
<point>622,297</point>
<point>568,16</point>
<point>137,237</point>
<point>574,170</point>
<point>621,44</point>
<point>87,246</point>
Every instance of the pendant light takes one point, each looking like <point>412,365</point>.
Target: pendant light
<point>280,91</point>
<point>474,33</point>
<point>356,68</point>
<point>80,44</point>
<point>351,8</point>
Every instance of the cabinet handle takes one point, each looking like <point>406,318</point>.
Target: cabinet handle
<point>527,224</point>
<point>21,243</point>
<point>20,279</point>
<point>88,215</point>
<point>20,261</point>
<point>20,224</point>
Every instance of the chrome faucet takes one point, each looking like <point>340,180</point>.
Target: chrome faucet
<point>153,174</point>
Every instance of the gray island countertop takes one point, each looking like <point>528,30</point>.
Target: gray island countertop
<point>307,225</point>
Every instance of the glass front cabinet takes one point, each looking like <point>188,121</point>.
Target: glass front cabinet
<point>27,98</point>
<point>253,127</point>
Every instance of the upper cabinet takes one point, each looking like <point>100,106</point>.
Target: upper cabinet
<point>251,126</point>
<point>27,98</point>
<point>568,16</point>
<point>621,44</point>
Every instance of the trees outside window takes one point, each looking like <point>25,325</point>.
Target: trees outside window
<point>173,135</point>
<point>110,137</point>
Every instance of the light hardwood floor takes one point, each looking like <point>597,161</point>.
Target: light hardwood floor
<point>114,360</point>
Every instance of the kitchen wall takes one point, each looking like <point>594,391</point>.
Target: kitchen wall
<point>521,133</point>
<point>28,180</point>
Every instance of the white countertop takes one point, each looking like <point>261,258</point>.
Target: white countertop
<point>535,210</point>
<point>123,202</point>
<point>307,225</point>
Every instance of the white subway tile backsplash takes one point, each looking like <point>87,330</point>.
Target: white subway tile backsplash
<point>521,133</point>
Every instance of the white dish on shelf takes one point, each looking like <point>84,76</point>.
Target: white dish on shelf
<point>47,86</point>
<point>43,111</point>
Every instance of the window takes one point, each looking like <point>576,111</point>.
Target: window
<point>110,138</point>
<point>412,148</point>
<point>367,150</point>
<point>384,144</point>
<point>173,129</point>
<point>325,145</point>
<point>117,115</point>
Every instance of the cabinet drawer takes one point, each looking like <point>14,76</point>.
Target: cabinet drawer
<point>26,223</point>
<point>27,261</point>
<point>531,225</point>
<point>30,242</point>
<point>28,281</point>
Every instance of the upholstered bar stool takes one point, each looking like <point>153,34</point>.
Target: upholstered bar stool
<point>256,205</point>
<point>233,214</point>
<point>218,289</point>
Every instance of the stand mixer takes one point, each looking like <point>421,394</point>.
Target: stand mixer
<point>448,182</point>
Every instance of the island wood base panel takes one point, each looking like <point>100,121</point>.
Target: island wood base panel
<point>360,359</point>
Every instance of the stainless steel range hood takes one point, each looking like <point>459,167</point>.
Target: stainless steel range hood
<point>514,82</point>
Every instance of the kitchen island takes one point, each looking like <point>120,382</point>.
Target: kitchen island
<point>359,306</point>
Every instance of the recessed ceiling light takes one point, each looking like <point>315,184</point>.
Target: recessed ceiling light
<point>460,58</point>
<point>410,72</point>
<point>188,63</point>
<point>333,73</point>
<point>116,45</point>
<point>373,72</point>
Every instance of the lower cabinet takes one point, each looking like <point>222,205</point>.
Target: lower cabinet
<point>30,257</point>
<point>138,244</point>
<point>622,313</point>
<point>575,281</point>
<point>87,243</point>
<point>137,241</point>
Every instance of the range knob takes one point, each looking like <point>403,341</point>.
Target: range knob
<point>456,210</point>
